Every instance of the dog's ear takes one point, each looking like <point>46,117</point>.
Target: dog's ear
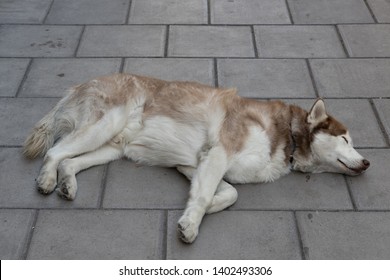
<point>317,113</point>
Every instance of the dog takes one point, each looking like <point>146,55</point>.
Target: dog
<point>211,135</point>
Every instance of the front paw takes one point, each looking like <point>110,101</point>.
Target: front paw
<point>46,183</point>
<point>67,187</point>
<point>187,230</point>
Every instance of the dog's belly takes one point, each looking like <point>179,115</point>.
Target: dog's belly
<point>165,142</point>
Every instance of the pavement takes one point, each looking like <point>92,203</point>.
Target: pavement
<point>294,50</point>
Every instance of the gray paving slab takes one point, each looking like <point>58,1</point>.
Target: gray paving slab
<point>52,77</point>
<point>266,78</point>
<point>88,12</point>
<point>383,108</point>
<point>352,78</point>
<point>184,69</point>
<point>18,187</point>
<point>381,9</point>
<point>339,50</point>
<point>24,11</point>
<point>355,114</point>
<point>121,40</point>
<point>15,226</point>
<point>297,191</point>
<point>38,40</point>
<point>294,41</point>
<point>168,12</point>
<point>238,235</point>
<point>97,234</point>
<point>249,12</point>
<point>11,74</point>
<point>370,40</point>
<point>210,41</point>
<point>329,11</point>
<point>345,235</point>
<point>131,186</point>
<point>371,190</point>
<point>18,116</point>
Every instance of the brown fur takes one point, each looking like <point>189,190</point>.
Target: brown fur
<point>331,126</point>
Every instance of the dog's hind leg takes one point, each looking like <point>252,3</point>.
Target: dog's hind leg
<point>225,195</point>
<point>204,184</point>
<point>83,140</point>
<point>68,168</point>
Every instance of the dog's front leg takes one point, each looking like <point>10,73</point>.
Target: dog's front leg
<point>209,173</point>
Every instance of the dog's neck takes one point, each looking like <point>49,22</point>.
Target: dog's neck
<point>299,138</point>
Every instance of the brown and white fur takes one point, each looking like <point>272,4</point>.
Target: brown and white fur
<point>211,135</point>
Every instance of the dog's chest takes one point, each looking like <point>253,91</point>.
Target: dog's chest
<point>255,163</point>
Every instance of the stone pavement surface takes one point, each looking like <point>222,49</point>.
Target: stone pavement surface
<point>295,50</point>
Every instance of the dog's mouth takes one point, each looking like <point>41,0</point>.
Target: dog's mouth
<point>353,170</point>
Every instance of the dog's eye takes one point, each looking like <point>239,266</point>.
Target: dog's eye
<point>345,139</point>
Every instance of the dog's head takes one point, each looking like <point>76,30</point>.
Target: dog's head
<point>331,146</point>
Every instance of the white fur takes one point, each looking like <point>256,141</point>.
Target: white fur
<point>164,142</point>
<point>254,162</point>
<point>329,150</point>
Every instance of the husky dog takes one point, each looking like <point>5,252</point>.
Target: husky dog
<point>211,135</point>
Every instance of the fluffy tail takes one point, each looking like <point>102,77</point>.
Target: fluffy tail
<point>42,137</point>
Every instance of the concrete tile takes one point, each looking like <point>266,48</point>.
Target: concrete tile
<point>52,77</point>
<point>298,41</point>
<point>132,186</point>
<point>168,12</point>
<point>357,115</point>
<point>371,190</point>
<point>249,12</point>
<point>352,77</point>
<point>88,12</point>
<point>24,11</point>
<point>97,234</point>
<point>297,191</point>
<point>210,41</point>
<point>371,40</point>
<point>18,116</point>
<point>381,9</point>
<point>123,40</point>
<point>345,235</point>
<point>11,74</point>
<point>15,226</point>
<point>329,11</point>
<point>238,235</point>
<point>18,189</point>
<point>38,40</point>
<point>383,107</point>
<point>266,77</point>
<point>184,69</point>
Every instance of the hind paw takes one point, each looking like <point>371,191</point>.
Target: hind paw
<point>46,184</point>
<point>67,188</point>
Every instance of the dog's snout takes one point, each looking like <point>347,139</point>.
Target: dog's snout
<point>366,163</point>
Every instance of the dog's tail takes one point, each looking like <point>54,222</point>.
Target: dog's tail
<point>42,136</point>
<point>55,125</point>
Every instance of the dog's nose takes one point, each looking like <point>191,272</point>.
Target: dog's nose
<point>366,163</point>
